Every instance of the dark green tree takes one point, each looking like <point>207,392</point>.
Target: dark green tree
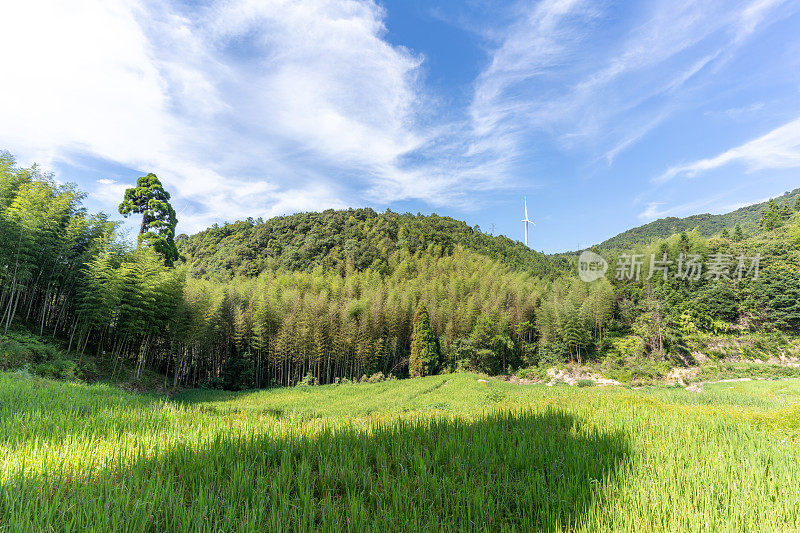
<point>683,243</point>
<point>771,217</point>
<point>778,290</point>
<point>738,234</point>
<point>492,343</point>
<point>150,200</point>
<point>424,356</point>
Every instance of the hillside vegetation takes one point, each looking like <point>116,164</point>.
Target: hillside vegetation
<point>353,295</point>
<point>706,224</point>
<point>430,454</point>
<point>355,239</point>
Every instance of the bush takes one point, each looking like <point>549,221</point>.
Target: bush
<point>12,354</point>
<point>585,383</point>
<point>239,373</point>
<point>214,382</point>
<point>22,373</point>
<point>309,381</point>
<point>746,370</point>
<point>463,365</point>
<point>22,350</point>
<point>552,354</point>
<point>629,347</point>
<point>56,369</point>
<point>377,377</point>
<point>525,373</point>
<point>637,371</point>
<point>538,373</point>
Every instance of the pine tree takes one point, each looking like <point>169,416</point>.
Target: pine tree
<point>150,200</point>
<point>738,234</point>
<point>683,243</point>
<point>771,217</point>
<point>423,357</point>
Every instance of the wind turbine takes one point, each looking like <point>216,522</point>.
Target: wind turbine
<point>526,221</point>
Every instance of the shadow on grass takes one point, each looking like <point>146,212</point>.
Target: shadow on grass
<point>505,470</point>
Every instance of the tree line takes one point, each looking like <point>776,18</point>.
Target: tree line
<point>424,301</point>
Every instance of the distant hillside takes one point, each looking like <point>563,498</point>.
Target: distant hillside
<point>706,223</point>
<point>351,238</point>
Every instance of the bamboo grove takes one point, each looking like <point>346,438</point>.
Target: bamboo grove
<point>321,306</point>
<point>65,273</point>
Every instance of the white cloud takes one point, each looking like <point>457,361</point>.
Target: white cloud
<point>261,107</point>
<point>713,204</point>
<point>780,148</point>
<point>560,74</point>
<point>242,108</point>
<point>736,113</point>
<point>654,210</point>
<point>109,192</point>
<point>69,68</point>
<point>753,14</point>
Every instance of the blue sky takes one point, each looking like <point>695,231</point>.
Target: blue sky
<point>606,115</point>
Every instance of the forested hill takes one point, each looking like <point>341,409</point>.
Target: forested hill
<point>707,224</point>
<point>320,297</point>
<point>351,238</point>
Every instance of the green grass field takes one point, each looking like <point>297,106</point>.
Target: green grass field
<point>439,453</point>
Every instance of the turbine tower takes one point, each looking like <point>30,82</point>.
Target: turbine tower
<point>526,221</point>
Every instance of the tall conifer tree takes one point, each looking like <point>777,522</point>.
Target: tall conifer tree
<point>424,356</point>
<point>150,200</point>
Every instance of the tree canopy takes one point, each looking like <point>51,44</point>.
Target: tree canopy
<point>151,200</point>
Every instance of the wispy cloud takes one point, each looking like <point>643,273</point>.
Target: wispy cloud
<point>548,78</point>
<point>738,112</point>
<point>753,14</point>
<point>245,106</point>
<point>713,204</point>
<point>655,210</point>
<point>263,107</point>
<point>109,191</point>
<point>780,148</point>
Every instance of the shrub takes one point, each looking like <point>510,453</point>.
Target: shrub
<point>630,346</point>
<point>238,374</point>
<point>12,354</point>
<point>539,373</point>
<point>524,373</point>
<point>552,354</point>
<point>22,350</point>
<point>309,381</point>
<point>214,382</point>
<point>585,383</point>
<point>377,377</point>
<point>22,373</point>
<point>463,365</point>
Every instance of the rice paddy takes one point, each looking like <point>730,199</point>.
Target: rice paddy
<point>439,453</point>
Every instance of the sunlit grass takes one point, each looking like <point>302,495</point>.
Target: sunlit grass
<point>439,453</point>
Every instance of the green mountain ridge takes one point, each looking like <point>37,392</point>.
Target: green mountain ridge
<point>706,223</point>
<point>341,239</point>
<point>363,238</point>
